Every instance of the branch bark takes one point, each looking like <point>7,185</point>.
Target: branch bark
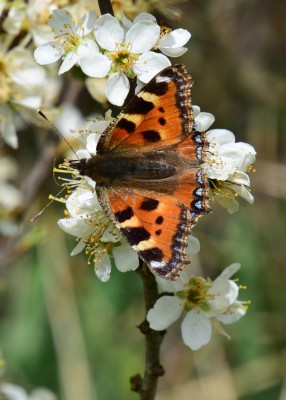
<point>105,7</point>
<point>146,387</point>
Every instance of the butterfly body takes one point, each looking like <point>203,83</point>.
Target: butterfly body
<point>148,175</point>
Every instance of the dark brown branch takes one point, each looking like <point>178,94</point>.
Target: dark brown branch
<point>105,7</point>
<point>146,386</point>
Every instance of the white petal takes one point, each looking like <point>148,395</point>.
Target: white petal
<point>229,271</point>
<point>144,16</point>
<point>111,234</point>
<point>78,248</point>
<point>166,310</point>
<point>42,394</point>
<point>108,32</point>
<point>7,127</point>
<point>240,178</point>
<point>193,246</point>
<point>143,36</point>
<point>62,22</point>
<point>224,294</point>
<point>82,153</point>
<point>92,62</point>
<point>233,314</point>
<point>175,39</point>
<point>248,154</point>
<point>13,392</point>
<point>229,203</point>
<point>196,110</point>
<point>196,329</point>
<point>88,22</point>
<point>125,258</point>
<point>243,192</point>
<point>96,88</point>
<point>220,136</point>
<point>82,201</point>
<point>91,142</point>
<point>127,24</point>
<point>70,117</point>
<point>12,23</point>
<point>87,48</point>
<point>170,286</point>
<point>103,269</point>
<point>23,69</point>
<point>149,64</point>
<point>117,88</point>
<point>33,102</point>
<point>95,66</point>
<point>235,156</point>
<point>75,226</point>
<point>203,121</point>
<point>48,53</point>
<point>177,52</point>
<point>69,61</point>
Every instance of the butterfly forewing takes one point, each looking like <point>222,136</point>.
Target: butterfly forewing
<point>159,116</point>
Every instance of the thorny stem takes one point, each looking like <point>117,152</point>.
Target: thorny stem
<point>146,386</point>
<point>105,7</point>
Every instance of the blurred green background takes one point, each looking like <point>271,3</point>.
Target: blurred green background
<point>63,329</point>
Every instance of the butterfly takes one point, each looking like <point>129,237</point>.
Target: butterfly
<point>148,171</point>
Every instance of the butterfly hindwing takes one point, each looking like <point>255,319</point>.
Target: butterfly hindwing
<point>156,226</point>
<point>159,116</point>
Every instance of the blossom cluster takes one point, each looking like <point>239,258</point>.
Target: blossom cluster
<point>105,47</point>
<point>25,86</point>
<point>204,302</point>
<point>43,40</point>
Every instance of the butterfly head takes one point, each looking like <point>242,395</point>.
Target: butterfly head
<point>80,165</point>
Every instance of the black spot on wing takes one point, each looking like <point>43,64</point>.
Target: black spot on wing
<point>124,215</point>
<point>128,126</point>
<point>149,204</point>
<point>135,235</point>
<point>157,88</point>
<point>159,220</point>
<point>139,106</point>
<point>161,109</point>
<point>151,136</point>
<point>162,121</point>
<point>158,232</point>
<point>153,254</point>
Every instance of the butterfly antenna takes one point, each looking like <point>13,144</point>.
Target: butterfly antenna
<point>58,132</point>
<point>47,205</point>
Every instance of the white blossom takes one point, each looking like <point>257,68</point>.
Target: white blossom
<point>205,303</point>
<point>71,41</point>
<point>10,196</point>
<point>125,55</point>
<point>170,41</point>
<point>21,87</point>
<point>16,392</point>
<point>226,163</point>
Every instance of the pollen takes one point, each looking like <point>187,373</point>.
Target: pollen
<point>250,168</point>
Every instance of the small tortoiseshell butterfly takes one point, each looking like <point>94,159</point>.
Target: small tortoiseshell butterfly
<point>147,171</point>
